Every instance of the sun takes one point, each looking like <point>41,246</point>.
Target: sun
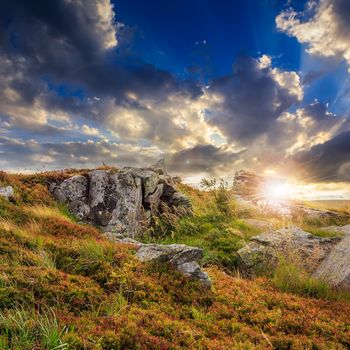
<point>278,190</point>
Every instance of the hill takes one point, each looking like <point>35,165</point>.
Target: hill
<point>63,285</point>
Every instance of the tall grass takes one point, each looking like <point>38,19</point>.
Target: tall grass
<point>22,329</point>
<point>50,332</point>
<point>291,278</point>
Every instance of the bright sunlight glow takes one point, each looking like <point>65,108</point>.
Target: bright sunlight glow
<point>277,191</point>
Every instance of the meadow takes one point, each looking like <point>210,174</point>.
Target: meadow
<point>64,286</point>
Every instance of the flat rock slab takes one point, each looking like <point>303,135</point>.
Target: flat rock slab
<point>263,252</point>
<point>336,267</point>
<point>184,258</point>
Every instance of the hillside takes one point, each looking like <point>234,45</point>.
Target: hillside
<point>63,285</point>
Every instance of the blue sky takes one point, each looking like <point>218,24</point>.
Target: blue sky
<point>212,86</point>
<point>208,35</point>
<point>176,35</point>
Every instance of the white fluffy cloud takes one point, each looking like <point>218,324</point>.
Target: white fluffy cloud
<point>324,27</point>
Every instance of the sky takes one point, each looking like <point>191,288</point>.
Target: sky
<point>211,86</point>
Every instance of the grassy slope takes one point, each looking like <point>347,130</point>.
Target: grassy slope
<point>62,285</point>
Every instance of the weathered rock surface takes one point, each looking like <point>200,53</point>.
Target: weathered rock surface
<point>264,251</point>
<point>336,267</point>
<point>184,258</point>
<point>121,201</point>
<point>6,192</point>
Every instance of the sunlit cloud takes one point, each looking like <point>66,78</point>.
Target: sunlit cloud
<point>324,27</point>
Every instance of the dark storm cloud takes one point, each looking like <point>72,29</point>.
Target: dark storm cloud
<point>73,42</point>
<point>203,159</point>
<point>252,100</point>
<point>329,161</point>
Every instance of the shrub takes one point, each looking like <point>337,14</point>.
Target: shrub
<point>223,199</point>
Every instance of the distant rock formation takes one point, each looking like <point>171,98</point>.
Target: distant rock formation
<point>121,201</point>
<point>247,184</point>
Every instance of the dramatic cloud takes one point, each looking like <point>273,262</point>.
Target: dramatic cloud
<point>204,159</point>
<point>246,102</point>
<point>324,26</point>
<point>327,162</point>
<point>71,96</point>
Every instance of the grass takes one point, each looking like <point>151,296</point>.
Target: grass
<point>23,329</point>
<point>211,228</point>
<point>63,285</point>
<point>289,277</point>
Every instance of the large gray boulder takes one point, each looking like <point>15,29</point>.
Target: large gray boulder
<point>6,192</point>
<point>125,197</point>
<point>121,201</point>
<point>184,258</point>
<point>336,267</point>
<point>263,252</point>
<point>73,191</point>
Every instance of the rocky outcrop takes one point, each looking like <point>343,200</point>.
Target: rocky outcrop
<point>263,252</point>
<point>121,201</point>
<point>6,192</point>
<point>336,267</point>
<point>184,258</point>
<point>247,184</point>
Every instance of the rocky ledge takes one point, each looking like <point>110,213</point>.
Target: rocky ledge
<point>121,201</point>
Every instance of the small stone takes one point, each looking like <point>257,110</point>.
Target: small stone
<point>6,192</point>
